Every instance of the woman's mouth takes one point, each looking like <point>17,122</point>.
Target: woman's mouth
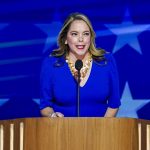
<point>80,47</point>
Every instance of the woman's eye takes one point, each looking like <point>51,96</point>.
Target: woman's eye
<point>86,33</point>
<point>73,34</point>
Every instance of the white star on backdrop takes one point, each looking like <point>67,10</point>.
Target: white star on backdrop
<point>52,31</point>
<point>3,101</point>
<point>127,33</point>
<point>130,106</point>
<point>3,25</point>
<point>36,100</point>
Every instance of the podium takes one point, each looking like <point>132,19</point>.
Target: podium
<point>75,134</point>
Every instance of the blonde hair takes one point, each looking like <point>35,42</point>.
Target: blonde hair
<point>64,48</point>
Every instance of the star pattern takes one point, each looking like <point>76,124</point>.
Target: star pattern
<point>3,25</point>
<point>51,31</point>
<point>130,106</point>
<point>3,101</point>
<point>127,33</point>
<point>36,100</point>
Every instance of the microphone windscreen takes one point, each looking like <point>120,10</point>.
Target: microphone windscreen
<point>78,64</point>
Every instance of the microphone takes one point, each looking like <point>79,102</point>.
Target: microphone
<point>78,66</point>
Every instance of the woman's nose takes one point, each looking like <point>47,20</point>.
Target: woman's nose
<point>80,38</point>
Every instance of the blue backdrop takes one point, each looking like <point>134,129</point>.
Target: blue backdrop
<point>28,32</point>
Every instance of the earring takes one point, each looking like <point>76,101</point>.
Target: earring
<point>66,42</point>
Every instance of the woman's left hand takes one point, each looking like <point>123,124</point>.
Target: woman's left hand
<point>57,114</point>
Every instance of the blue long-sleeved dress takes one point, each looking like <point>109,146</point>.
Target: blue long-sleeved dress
<point>59,88</point>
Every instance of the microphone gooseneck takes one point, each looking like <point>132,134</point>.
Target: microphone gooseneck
<point>78,66</point>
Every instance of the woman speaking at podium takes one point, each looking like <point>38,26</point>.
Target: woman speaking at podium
<point>98,83</point>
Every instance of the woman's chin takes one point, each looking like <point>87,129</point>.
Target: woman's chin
<point>81,53</point>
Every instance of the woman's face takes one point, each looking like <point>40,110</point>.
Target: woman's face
<point>78,38</point>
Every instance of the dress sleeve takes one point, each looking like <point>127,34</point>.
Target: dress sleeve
<point>114,97</point>
<point>46,84</point>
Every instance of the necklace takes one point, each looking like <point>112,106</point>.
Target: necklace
<point>84,69</point>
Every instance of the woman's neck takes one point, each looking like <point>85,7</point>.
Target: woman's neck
<point>74,57</point>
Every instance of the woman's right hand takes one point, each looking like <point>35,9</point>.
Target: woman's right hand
<point>56,114</point>
<point>49,112</point>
